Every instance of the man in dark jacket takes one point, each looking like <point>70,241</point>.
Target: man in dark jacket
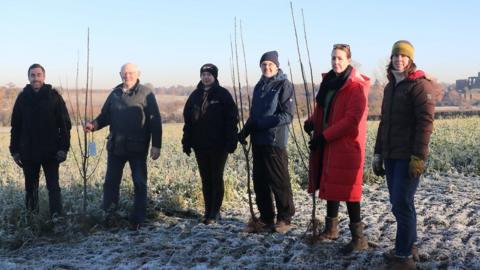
<point>40,137</point>
<point>210,128</point>
<point>270,115</point>
<point>132,113</point>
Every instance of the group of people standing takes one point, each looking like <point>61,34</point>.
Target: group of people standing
<point>41,132</point>
<point>337,127</point>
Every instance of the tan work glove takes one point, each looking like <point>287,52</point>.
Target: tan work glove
<point>416,166</point>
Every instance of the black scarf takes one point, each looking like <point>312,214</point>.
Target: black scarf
<point>332,81</point>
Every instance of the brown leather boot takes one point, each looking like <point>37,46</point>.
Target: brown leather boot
<point>330,232</point>
<point>390,255</point>
<point>401,263</point>
<point>282,226</point>
<point>359,241</point>
<point>258,226</point>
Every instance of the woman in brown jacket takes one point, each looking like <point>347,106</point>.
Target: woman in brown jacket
<point>402,145</point>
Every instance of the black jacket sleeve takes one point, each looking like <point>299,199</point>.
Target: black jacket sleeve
<point>187,120</point>
<point>155,120</point>
<point>378,140</point>
<point>231,121</point>
<point>16,123</point>
<point>64,124</point>
<point>424,110</point>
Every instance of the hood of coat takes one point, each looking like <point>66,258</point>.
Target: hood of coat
<point>44,89</point>
<point>33,96</point>
<point>355,76</point>
<point>418,74</point>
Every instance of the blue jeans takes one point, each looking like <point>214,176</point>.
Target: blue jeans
<point>111,187</point>
<point>402,190</point>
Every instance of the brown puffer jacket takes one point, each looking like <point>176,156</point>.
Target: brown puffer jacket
<point>407,118</point>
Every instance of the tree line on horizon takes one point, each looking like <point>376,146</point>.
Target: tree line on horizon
<point>172,108</point>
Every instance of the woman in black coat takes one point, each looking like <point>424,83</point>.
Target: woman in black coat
<point>210,129</point>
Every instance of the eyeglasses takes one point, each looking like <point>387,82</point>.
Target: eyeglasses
<point>341,46</point>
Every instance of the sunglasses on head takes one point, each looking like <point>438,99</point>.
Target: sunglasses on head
<point>341,46</point>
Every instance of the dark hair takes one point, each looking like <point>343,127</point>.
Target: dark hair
<point>35,66</point>
<point>409,70</point>
<point>343,47</point>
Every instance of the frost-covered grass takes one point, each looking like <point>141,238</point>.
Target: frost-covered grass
<point>175,189</point>
<point>450,240</point>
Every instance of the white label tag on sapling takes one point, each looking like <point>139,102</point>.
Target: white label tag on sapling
<point>92,149</point>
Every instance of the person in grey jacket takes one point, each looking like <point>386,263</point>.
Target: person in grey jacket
<point>270,114</point>
<point>132,113</point>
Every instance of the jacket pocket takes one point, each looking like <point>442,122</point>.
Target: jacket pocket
<point>110,142</point>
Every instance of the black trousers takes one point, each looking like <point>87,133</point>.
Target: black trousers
<point>113,177</point>
<point>353,209</point>
<point>31,170</point>
<point>211,164</point>
<point>270,175</point>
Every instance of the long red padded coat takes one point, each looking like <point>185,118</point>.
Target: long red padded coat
<point>341,176</point>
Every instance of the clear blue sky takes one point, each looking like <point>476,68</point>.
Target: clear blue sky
<point>170,40</point>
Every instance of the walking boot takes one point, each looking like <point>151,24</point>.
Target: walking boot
<point>390,255</point>
<point>212,220</point>
<point>401,263</point>
<point>258,226</point>
<point>359,241</point>
<point>331,230</point>
<point>282,226</point>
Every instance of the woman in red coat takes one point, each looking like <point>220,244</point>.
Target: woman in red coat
<point>339,124</point>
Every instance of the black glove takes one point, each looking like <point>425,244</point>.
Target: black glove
<point>187,150</point>
<point>377,165</point>
<point>16,157</point>
<point>231,147</point>
<point>246,130</point>
<point>316,143</point>
<point>61,156</point>
<point>308,126</point>
<point>242,136</point>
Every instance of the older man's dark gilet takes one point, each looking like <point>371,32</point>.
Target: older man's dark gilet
<point>134,119</point>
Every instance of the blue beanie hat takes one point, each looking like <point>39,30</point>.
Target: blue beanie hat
<point>270,56</point>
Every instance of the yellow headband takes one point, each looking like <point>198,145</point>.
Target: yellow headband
<point>403,47</point>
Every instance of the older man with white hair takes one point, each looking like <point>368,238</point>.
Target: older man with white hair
<point>132,113</point>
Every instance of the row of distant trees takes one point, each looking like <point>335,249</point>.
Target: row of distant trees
<point>171,110</point>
